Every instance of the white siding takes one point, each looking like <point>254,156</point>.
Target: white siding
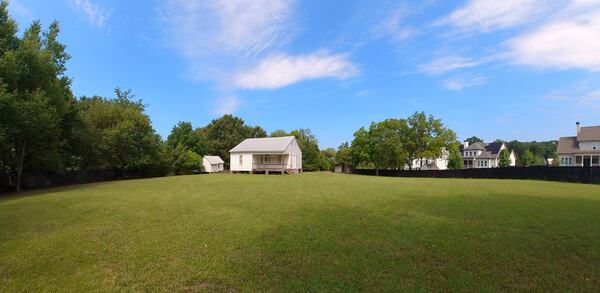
<point>294,160</point>
<point>234,162</point>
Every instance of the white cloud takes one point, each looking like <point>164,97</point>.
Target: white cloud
<point>489,15</point>
<point>282,70</point>
<point>216,35</point>
<point>459,83</point>
<point>446,64</point>
<point>393,26</point>
<point>227,105</point>
<point>571,41</point>
<point>94,13</point>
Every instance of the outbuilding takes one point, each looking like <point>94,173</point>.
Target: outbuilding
<point>213,164</point>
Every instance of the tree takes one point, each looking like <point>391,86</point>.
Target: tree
<point>223,134</point>
<point>184,160</point>
<point>473,139</point>
<point>328,159</point>
<point>425,137</point>
<point>36,101</point>
<point>528,158</point>
<point>183,133</point>
<point>504,159</point>
<point>344,154</point>
<point>455,159</point>
<point>311,155</point>
<point>119,134</point>
<point>278,133</point>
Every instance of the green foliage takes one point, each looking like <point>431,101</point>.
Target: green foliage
<point>223,134</point>
<point>542,151</point>
<point>278,133</point>
<point>504,159</point>
<point>528,158</point>
<point>311,155</point>
<point>36,107</point>
<point>119,133</point>
<point>328,159</point>
<point>473,139</point>
<point>184,160</point>
<point>394,143</point>
<point>344,154</point>
<point>455,159</point>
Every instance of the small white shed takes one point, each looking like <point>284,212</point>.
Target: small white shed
<point>213,164</point>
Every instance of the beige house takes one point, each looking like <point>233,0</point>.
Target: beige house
<point>582,150</point>
<point>264,155</point>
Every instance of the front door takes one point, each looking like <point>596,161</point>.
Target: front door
<point>587,161</point>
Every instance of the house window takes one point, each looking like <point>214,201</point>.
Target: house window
<point>241,160</point>
<point>595,160</point>
<point>594,146</point>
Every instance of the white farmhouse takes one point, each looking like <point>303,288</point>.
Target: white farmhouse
<point>582,150</point>
<point>273,154</point>
<point>213,164</point>
<point>481,155</point>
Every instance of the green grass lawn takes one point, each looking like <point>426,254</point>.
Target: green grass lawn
<point>308,232</point>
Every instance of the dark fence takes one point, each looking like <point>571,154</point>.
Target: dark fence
<point>566,174</point>
<point>36,180</point>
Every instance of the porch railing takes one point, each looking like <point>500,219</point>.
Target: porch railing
<point>277,166</point>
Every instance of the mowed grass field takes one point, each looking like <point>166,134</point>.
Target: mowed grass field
<point>308,232</point>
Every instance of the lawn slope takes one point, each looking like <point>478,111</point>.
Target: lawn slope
<point>310,232</point>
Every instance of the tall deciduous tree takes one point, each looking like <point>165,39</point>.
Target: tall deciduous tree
<point>473,139</point>
<point>504,159</point>
<point>425,137</point>
<point>455,159</point>
<point>222,134</point>
<point>528,158</point>
<point>119,133</point>
<point>36,101</point>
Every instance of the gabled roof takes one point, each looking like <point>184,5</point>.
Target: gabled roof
<point>263,145</point>
<point>214,160</point>
<point>494,147</point>
<point>488,151</point>
<point>589,133</point>
<point>476,146</point>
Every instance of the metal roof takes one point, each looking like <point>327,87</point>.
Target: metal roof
<point>263,145</point>
<point>214,160</point>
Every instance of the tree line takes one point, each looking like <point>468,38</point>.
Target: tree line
<point>45,128</point>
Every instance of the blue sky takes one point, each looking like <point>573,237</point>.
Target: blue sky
<point>512,69</point>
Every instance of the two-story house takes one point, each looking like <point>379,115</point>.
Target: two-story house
<point>482,155</point>
<point>582,150</point>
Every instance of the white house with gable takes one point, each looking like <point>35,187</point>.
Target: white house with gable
<point>264,155</point>
<point>213,164</point>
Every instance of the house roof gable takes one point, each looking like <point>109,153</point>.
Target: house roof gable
<point>214,160</point>
<point>263,145</point>
<point>589,133</point>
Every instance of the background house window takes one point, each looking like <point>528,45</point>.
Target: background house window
<point>594,146</point>
<point>241,161</point>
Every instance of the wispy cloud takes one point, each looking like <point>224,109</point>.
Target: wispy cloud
<point>282,70</point>
<point>448,63</point>
<point>227,105</point>
<point>393,24</point>
<point>490,15</point>
<point>95,14</point>
<point>20,11</point>
<point>571,41</point>
<point>215,36</point>
<point>459,83</point>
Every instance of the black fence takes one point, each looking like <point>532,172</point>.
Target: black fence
<point>36,180</point>
<point>565,174</point>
